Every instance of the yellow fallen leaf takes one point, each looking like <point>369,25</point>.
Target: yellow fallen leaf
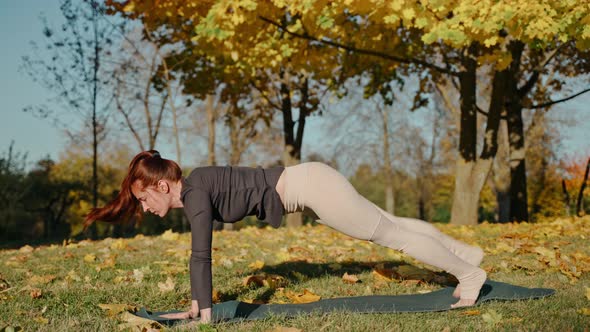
<point>41,320</point>
<point>471,313</point>
<point>167,286</point>
<point>39,280</point>
<point>306,297</point>
<point>350,278</point>
<point>119,244</point>
<point>584,311</point>
<point>587,293</point>
<point>257,280</point>
<point>113,309</point>
<point>89,258</point>
<point>257,265</point>
<point>108,262</point>
<point>26,249</point>
<point>169,235</point>
<point>492,317</point>
<point>133,322</point>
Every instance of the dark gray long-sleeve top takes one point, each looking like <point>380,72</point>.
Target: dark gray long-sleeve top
<point>226,194</point>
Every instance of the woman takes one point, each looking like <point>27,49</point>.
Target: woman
<point>228,194</point>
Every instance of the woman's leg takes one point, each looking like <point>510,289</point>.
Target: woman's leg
<point>338,205</point>
<point>471,254</point>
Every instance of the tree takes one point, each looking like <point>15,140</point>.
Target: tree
<point>73,72</point>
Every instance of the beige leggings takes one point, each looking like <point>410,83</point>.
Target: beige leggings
<point>324,193</point>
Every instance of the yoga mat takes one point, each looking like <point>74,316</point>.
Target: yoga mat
<point>439,300</point>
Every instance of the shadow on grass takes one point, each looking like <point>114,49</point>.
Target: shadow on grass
<point>299,271</point>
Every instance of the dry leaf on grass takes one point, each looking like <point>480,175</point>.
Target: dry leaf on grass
<point>135,322</point>
<point>41,280</point>
<point>36,293</point>
<point>257,265</point>
<point>167,286</point>
<point>350,278</point>
<point>305,297</point>
<point>471,313</point>
<point>169,235</point>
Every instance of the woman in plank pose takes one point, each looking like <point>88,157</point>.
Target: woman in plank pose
<point>228,194</point>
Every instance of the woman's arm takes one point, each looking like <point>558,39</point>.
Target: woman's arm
<point>198,209</point>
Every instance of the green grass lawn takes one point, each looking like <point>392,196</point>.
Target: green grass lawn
<point>60,287</point>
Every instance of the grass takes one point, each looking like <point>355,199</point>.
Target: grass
<point>59,287</point>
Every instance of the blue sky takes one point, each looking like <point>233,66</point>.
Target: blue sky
<point>20,24</point>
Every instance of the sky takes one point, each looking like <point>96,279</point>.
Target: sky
<point>20,24</point>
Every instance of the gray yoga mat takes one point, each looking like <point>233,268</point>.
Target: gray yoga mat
<point>439,300</point>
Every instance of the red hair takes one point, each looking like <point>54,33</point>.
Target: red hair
<point>147,167</point>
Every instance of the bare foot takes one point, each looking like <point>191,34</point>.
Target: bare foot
<point>457,291</point>
<point>463,303</point>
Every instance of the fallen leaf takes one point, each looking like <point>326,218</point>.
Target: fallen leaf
<point>385,274</point>
<point>41,320</point>
<point>306,297</point>
<point>584,311</point>
<point>492,317</point>
<point>414,273</point>
<point>587,293</point>
<point>119,244</point>
<point>471,313</point>
<point>167,286</point>
<point>257,265</point>
<point>135,322</point>
<point>26,249</point>
<point>108,262</point>
<point>35,293</point>
<point>39,280</point>
<point>350,278</point>
<point>89,258</point>
<point>257,280</point>
<point>169,235</point>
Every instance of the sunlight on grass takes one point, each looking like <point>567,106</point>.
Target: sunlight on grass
<point>90,285</point>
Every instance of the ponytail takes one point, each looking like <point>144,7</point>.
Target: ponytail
<point>147,167</point>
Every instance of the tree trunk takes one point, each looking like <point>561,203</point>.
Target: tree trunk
<point>580,202</point>
<point>501,179</point>
<point>293,141</point>
<point>211,158</point>
<point>387,170</point>
<point>471,172</point>
<point>211,119</point>
<point>466,193</point>
<point>518,184</point>
<point>93,230</point>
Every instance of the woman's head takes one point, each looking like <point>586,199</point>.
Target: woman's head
<point>147,187</point>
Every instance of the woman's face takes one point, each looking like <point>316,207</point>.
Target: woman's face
<point>155,199</point>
